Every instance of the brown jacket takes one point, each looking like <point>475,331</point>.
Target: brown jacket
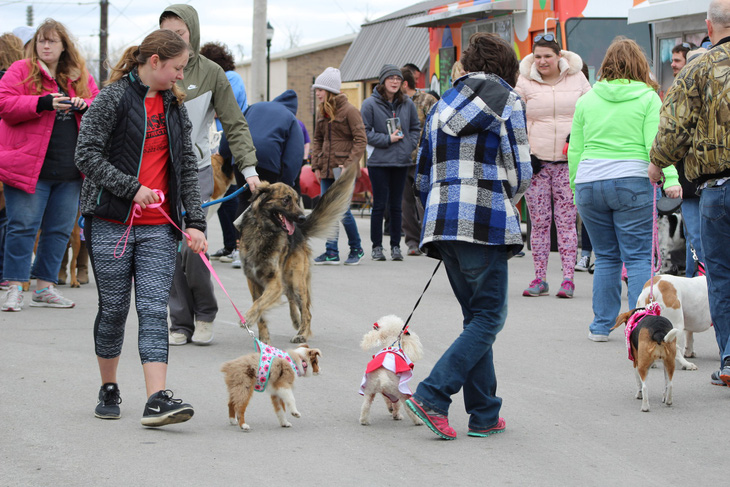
<point>339,143</point>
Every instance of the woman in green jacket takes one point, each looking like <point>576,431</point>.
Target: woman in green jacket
<point>613,128</point>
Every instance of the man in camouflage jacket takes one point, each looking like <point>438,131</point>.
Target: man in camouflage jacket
<point>695,125</point>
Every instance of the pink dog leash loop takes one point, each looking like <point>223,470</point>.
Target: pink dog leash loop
<point>136,213</point>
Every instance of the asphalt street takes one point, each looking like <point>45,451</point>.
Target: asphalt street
<point>572,419</point>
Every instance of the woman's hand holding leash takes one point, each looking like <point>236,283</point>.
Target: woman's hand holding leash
<point>145,196</point>
<point>197,242</point>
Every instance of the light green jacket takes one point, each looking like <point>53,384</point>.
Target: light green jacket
<point>618,120</point>
<point>207,93</point>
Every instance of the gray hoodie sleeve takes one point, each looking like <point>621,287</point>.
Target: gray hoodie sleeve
<point>189,185</point>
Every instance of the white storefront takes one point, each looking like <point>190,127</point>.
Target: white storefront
<point>675,22</point>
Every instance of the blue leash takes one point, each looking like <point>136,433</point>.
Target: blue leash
<point>225,198</point>
<point>214,202</point>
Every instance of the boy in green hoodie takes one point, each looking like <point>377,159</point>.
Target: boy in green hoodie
<point>193,306</point>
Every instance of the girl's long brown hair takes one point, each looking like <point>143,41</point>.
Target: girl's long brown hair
<point>11,50</point>
<point>71,70</point>
<point>328,106</point>
<point>625,59</point>
<point>165,43</point>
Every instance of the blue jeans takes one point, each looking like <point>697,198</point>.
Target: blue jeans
<point>691,218</point>
<point>715,234</point>
<point>52,208</point>
<point>478,277</point>
<point>388,184</point>
<point>348,221</point>
<point>617,214</point>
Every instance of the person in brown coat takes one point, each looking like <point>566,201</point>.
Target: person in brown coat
<point>339,140</point>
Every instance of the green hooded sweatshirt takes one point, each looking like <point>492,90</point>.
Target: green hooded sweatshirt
<point>207,92</point>
<point>616,120</point>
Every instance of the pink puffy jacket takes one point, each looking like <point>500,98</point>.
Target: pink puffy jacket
<point>550,108</point>
<point>24,133</point>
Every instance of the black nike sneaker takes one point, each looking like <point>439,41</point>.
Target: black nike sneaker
<point>109,401</point>
<point>162,409</point>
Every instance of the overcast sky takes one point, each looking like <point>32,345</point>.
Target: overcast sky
<point>227,21</point>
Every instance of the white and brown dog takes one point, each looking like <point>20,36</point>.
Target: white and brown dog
<point>649,338</point>
<point>389,371</point>
<point>272,370</point>
<point>684,302</point>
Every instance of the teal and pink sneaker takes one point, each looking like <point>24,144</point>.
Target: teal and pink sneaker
<point>537,287</point>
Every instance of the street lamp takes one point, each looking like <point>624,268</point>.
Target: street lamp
<point>269,36</point>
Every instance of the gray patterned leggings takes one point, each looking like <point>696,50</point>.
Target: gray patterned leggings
<point>149,262</point>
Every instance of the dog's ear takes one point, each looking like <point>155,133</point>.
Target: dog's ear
<point>370,340</point>
<point>261,192</point>
<point>623,318</point>
<point>313,355</point>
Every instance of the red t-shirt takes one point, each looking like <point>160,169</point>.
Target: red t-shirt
<point>154,171</point>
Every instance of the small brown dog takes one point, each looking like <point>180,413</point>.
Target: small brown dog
<point>652,338</point>
<point>253,372</point>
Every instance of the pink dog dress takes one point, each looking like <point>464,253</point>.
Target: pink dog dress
<point>395,360</point>
<point>268,354</point>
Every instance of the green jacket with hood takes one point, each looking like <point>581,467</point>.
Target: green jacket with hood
<point>207,92</point>
<point>617,119</point>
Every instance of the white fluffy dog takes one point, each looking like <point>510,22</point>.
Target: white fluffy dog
<point>389,371</point>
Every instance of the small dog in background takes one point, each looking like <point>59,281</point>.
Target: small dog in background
<point>650,337</point>
<point>672,246</point>
<point>271,370</point>
<point>389,371</point>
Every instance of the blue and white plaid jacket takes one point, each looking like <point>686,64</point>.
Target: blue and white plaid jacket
<point>474,164</point>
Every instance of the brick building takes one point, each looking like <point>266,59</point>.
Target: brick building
<point>297,68</point>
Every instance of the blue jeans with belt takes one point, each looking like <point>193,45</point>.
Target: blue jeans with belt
<point>478,277</point>
<point>52,209</point>
<point>618,216</point>
<point>715,235</point>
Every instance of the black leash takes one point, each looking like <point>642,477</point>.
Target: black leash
<point>405,326</point>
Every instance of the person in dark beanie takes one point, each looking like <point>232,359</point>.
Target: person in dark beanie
<point>473,166</point>
<point>391,123</point>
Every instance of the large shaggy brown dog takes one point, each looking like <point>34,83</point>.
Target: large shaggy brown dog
<point>275,251</point>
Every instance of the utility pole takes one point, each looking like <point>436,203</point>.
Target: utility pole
<point>258,52</point>
<point>103,35</point>
<point>29,15</point>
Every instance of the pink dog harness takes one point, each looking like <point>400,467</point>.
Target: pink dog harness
<point>396,361</point>
<point>268,354</point>
<point>653,309</point>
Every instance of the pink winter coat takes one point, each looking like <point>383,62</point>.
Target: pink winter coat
<point>24,133</point>
<point>550,108</point>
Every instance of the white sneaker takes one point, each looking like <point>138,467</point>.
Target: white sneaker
<point>597,338</point>
<point>583,264</point>
<point>203,332</point>
<point>236,263</point>
<point>13,299</point>
<point>229,258</point>
<point>177,338</point>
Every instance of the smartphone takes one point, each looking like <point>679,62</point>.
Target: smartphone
<point>68,102</point>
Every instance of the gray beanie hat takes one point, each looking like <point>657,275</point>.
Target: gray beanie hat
<point>389,70</point>
<point>24,33</point>
<point>329,80</point>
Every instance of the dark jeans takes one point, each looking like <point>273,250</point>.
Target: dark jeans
<point>715,235</point>
<point>478,277</point>
<point>387,184</point>
<point>348,221</point>
<point>226,216</point>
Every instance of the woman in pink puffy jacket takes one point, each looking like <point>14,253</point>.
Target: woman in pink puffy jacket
<point>42,99</point>
<point>550,83</point>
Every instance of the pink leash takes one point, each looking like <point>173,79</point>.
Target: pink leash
<point>654,247</point>
<point>137,212</point>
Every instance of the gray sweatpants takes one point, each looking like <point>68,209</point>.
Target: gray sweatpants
<point>192,296</point>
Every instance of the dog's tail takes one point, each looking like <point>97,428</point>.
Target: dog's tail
<point>325,217</point>
<point>672,335</point>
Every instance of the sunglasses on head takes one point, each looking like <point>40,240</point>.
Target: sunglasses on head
<point>545,37</point>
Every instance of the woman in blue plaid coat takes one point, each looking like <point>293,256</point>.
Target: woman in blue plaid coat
<point>473,166</point>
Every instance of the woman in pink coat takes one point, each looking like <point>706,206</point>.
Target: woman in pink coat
<point>42,100</point>
<point>550,83</point>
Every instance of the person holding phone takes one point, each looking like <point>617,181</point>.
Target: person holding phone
<point>42,99</point>
<point>392,127</point>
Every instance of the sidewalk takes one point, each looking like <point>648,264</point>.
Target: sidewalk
<point>572,419</point>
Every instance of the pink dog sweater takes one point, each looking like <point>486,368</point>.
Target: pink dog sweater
<point>395,360</point>
<point>267,355</point>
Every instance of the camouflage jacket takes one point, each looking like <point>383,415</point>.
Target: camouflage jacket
<point>695,118</point>
<point>424,102</point>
